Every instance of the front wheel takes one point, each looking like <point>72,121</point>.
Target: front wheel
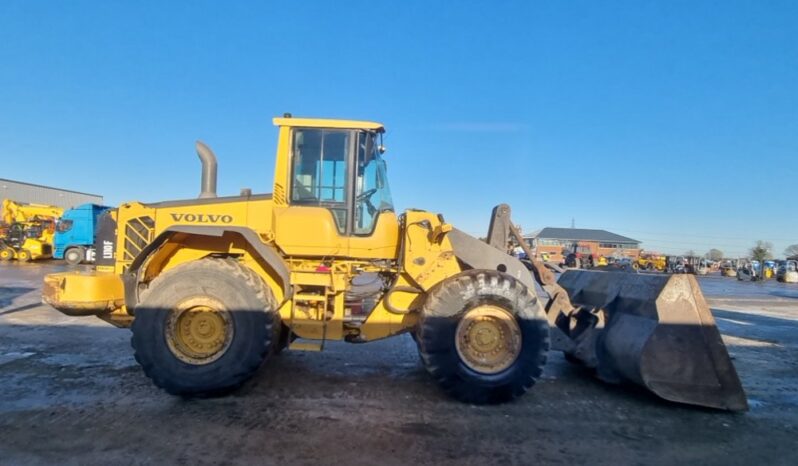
<point>483,337</point>
<point>74,256</point>
<point>204,327</point>
<point>24,255</point>
<point>6,254</point>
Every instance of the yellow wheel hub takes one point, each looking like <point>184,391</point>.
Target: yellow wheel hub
<point>199,331</point>
<point>488,339</point>
<point>5,254</point>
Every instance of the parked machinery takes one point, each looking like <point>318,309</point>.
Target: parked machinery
<point>651,263</point>
<point>749,271</point>
<point>580,255</point>
<point>29,230</point>
<point>214,286</point>
<point>768,269</point>
<point>728,268</point>
<point>788,271</point>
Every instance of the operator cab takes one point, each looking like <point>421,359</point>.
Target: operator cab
<point>337,166</point>
<point>343,171</point>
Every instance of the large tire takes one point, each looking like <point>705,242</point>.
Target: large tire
<point>74,255</point>
<point>248,319</point>
<point>441,337</point>
<point>23,255</point>
<point>6,254</point>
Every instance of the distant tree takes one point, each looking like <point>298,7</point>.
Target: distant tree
<point>761,251</point>
<point>690,253</point>
<point>714,254</point>
<point>792,250</point>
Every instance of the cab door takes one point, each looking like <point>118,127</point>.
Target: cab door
<point>326,186</point>
<point>315,221</point>
<point>375,226</point>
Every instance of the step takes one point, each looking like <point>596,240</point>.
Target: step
<point>305,346</point>
<point>309,297</point>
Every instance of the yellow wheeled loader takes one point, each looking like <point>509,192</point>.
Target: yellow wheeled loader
<point>651,263</point>
<point>28,230</point>
<point>27,241</point>
<point>212,287</point>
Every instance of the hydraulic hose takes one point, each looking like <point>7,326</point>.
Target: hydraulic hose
<point>403,289</point>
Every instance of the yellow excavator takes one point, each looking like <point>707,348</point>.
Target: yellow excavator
<point>213,287</point>
<point>28,230</point>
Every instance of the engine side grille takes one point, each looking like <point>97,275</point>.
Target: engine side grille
<point>138,234</point>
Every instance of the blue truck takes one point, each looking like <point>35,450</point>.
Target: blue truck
<point>74,233</point>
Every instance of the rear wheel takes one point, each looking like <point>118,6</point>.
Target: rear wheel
<point>74,256</point>
<point>6,254</point>
<point>204,328</point>
<point>23,255</point>
<point>483,337</point>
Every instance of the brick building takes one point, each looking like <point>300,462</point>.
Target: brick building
<point>556,241</point>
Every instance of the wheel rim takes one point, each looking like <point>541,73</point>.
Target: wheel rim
<point>488,339</point>
<point>72,256</point>
<point>199,331</point>
<point>5,254</point>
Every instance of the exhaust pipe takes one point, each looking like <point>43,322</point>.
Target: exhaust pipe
<point>208,170</point>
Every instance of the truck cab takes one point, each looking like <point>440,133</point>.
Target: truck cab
<point>74,236</point>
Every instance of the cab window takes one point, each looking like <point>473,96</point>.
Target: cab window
<point>319,171</point>
<point>63,225</point>
<point>372,194</point>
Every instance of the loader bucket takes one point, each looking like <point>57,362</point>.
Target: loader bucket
<point>658,332</point>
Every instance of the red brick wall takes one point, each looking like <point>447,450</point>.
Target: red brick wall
<point>556,256</point>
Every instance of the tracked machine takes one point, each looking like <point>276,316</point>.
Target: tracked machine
<point>212,287</point>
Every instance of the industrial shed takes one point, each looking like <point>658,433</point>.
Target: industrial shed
<point>29,193</point>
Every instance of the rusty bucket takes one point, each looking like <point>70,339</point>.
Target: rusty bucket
<point>656,331</point>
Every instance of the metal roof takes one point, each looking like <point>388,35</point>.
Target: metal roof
<point>327,123</point>
<point>582,234</point>
<point>47,187</point>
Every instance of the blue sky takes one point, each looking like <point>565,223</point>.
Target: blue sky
<point>673,122</point>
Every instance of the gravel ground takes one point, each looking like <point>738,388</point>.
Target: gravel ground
<point>71,393</point>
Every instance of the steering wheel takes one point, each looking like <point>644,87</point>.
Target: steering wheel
<point>365,196</point>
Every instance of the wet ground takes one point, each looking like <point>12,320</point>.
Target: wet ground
<point>71,393</point>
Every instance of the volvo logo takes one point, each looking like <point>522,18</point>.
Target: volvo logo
<point>202,218</point>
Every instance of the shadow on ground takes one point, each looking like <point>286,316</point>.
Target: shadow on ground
<point>9,293</point>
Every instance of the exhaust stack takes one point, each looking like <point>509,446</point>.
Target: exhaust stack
<point>208,170</point>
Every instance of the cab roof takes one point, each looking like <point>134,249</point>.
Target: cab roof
<point>328,123</point>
